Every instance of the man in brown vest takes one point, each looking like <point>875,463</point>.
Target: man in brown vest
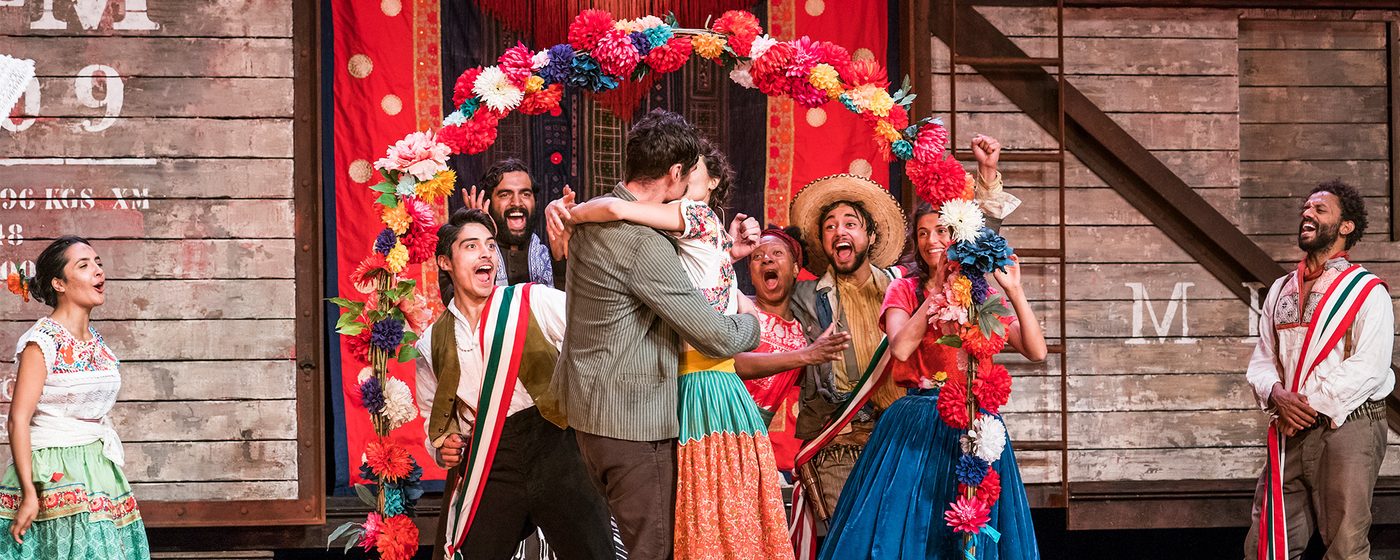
<point>483,385</point>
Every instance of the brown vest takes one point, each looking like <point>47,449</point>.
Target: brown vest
<point>536,372</point>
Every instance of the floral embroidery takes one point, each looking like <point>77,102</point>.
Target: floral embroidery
<point>72,500</point>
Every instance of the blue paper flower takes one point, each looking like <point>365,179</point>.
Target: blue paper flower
<point>971,469</point>
<point>469,107</point>
<point>385,242</point>
<point>902,149</point>
<point>394,503</point>
<point>386,335</point>
<point>372,395</point>
<point>659,35</point>
<point>640,41</point>
<point>561,57</point>
<point>849,103</point>
<point>586,73</point>
<point>989,252</point>
<point>979,287</point>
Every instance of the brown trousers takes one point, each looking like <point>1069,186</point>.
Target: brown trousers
<point>825,475</point>
<point>638,478</point>
<point>1328,479</point>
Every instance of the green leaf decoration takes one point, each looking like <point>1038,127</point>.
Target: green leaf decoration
<point>366,495</point>
<point>348,325</point>
<point>340,532</point>
<point>408,353</point>
<point>409,337</point>
<point>950,340</point>
<point>377,316</point>
<point>385,187</point>
<point>388,200</point>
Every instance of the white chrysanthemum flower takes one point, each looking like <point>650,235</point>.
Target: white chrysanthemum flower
<point>455,119</point>
<point>540,60</point>
<point>398,403</point>
<point>495,89</point>
<point>740,74</point>
<point>963,217</point>
<point>648,22</point>
<point>761,44</point>
<point>991,437</point>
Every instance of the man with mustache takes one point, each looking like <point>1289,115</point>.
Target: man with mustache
<point>860,230</point>
<point>1321,369</point>
<point>508,194</point>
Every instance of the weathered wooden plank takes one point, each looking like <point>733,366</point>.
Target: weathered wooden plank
<point>1374,247</point>
<point>141,137</point>
<point>185,380</point>
<point>162,57</point>
<point>1125,319</point>
<point>173,97</point>
<point>164,218</point>
<point>206,420</point>
<point>1032,426</point>
<point>1033,393</point>
<point>1115,22</point>
<point>213,461</point>
<point>180,18</point>
<point>1161,392</point>
<point>1229,355</point>
<point>1200,169</point>
<point>1313,105</point>
<point>1039,467</point>
<point>214,492</point>
<point>1312,68</point>
<point>1288,141</point>
<point>1283,215</point>
<point>1101,206</point>
<point>1297,178</point>
<point>188,299</point>
<point>193,259</point>
<point>1113,94</point>
<point>1311,34</point>
<point>1156,131</point>
<point>144,178</point>
<point>221,339</point>
<point>1153,429</point>
<point>1124,56</point>
<point>1219,463</point>
<point>1111,281</point>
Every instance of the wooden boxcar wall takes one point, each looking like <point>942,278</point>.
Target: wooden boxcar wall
<point>1250,108</point>
<point>164,132</point>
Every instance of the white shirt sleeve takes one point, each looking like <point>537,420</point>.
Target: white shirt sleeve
<point>425,387</point>
<point>548,307</point>
<point>1263,370</point>
<point>1366,372</point>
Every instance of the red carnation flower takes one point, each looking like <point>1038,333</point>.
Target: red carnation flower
<point>670,56</point>
<point>542,101</point>
<point>387,460</point>
<point>473,136</point>
<point>358,346</point>
<point>588,28</point>
<point>937,182</point>
<point>979,344</point>
<point>616,54</point>
<point>952,401</point>
<point>398,538</point>
<point>742,27</point>
<point>835,55</point>
<point>769,72</point>
<point>930,143</point>
<point>421,239</point>
<point>990,489</point>
<point>517,63</point>
<point>863,72</point>
<point>899,117</point>
<point>462,91</point>
<point>992,387</point>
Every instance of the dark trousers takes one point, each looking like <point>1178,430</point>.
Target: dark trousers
<point>639,480</point>
<point>537,480</point>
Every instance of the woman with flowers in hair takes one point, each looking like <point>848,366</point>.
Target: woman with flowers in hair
<point>65,496</point>
<point>938,478</point>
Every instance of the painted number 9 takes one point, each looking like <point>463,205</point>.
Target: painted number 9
<point>113,94</point>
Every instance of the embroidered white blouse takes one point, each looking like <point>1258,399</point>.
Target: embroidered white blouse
<point>80,389</point>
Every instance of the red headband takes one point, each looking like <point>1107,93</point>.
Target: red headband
<point>788,239</point>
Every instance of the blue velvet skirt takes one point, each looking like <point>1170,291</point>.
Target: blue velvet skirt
<point>893,503</point>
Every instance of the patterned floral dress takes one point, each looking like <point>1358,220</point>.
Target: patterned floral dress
<point>777,395</point>
<point>86,510</point>
<point>728,503</point>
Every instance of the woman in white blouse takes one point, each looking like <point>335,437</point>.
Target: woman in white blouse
<point>65,496</point>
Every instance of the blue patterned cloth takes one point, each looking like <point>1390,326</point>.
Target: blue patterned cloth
<point>541,264</point>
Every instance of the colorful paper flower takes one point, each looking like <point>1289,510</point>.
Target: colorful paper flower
<point>990,489</point>
<point>396,218</point>
<point>372,395</point>
<point>659,34</point>
<point>805,94</point>
<point>979,287</point>
<point>588,28</point>
<point>370,529</point>
<point>742,28</point>
<point>708,46</point>
<point>517,63</point>
<point>418,154</point>
<point>770,70</point>
<point>970,470</point>
<point>902,149</point>
<point>825,78</point>
<point>967,515</point>
<point>394,502</point>
<point>496,90</point>
<point>881,103</point>
<point>616,55</point>
<point>387,334</point>
<point>462,90</point>
<point>958,290</point>
<point>561,58</point>
<point>963,218</point>
<point>867,72</point>
<point>978,344</point>
<point>670,56</point>
<point>586,73</point>
<point>18,285</point>
<point>640,42</point>
<point>990,252</point>
<point>388,460</point>
<point>991,440</point>
<point>385,241</point>
<point>543,101</point>
<point>398,406</point>
<point>740,74</point>
<point>416,312</point>
<point>358,346</point>
<point>473,136</point>
<point>761,44</point>
<point>993,387</point>
<point>438,187</point>
<point>398,540</point>
<point>936,182</point>
<point>366,275</point>
<point>533,84</point>
<point>952,402</point>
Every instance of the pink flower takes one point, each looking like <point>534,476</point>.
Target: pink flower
<point>616,54</point>
<point>418,154</point>
<point>517,63</point>
<point>967,515</point>
<point>416,311</point>
<point>374,524</point>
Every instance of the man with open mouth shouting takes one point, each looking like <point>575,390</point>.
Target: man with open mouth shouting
<point>507,192</point>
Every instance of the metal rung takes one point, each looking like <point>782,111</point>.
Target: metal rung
<point>1040,445</point>
<point>1051,157</point>
<point>1049,348</point>
<point>1013,61</point>
<point>1039,252</point>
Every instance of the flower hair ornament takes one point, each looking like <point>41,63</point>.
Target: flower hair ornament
<point>19,284</point>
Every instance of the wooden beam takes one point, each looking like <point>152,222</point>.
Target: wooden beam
<point>916,57</point>
<point>1392,45</point>
<point>1239,4</point>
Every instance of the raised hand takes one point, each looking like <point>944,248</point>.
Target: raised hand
<point>828,347</point>
<point>451,450</point>
<point>987,151</point>
<point>745,232</point>
<point>1010,278</point>
<point>559,223</point>
<point>476,199</point>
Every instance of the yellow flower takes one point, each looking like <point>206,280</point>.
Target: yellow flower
<point>887,130</point>
<point>708,45</point>
<point>440,185</point>
<point>397,219</point>
<point>397,258</point>
<point>534,84</point>
<point>881,103</point>
<point>962,291</point>
<point>825,78</point>
<point>940,376</point>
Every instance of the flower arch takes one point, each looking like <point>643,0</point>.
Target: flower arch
<point>601,53</point>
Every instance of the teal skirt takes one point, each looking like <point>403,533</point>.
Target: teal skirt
<point>86,510</point>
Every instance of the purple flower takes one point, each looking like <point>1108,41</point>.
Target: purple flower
<point>979,287</point>
<point>372,395</point>
<point>971,469</point>
<point>641,42</point>
<point>385,242</point>
<point>561,57</point>
<point>386,335</point>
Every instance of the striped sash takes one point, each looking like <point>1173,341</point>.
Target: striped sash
<point>504,322</point>
<point>1329,323</point>
<point>803,528</point>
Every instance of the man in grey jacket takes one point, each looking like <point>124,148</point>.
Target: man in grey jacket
<point>630,304</point>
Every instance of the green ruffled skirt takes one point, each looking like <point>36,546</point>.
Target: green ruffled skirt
<point>86,510</point>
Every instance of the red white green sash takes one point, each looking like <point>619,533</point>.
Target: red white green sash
<point>504,322</point>
<point>802,528</point>
<point>1334,315</point>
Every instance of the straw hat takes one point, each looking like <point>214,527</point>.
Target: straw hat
<point>884,210</point>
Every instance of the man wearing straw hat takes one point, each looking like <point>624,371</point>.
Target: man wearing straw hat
<point>860,230</point>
